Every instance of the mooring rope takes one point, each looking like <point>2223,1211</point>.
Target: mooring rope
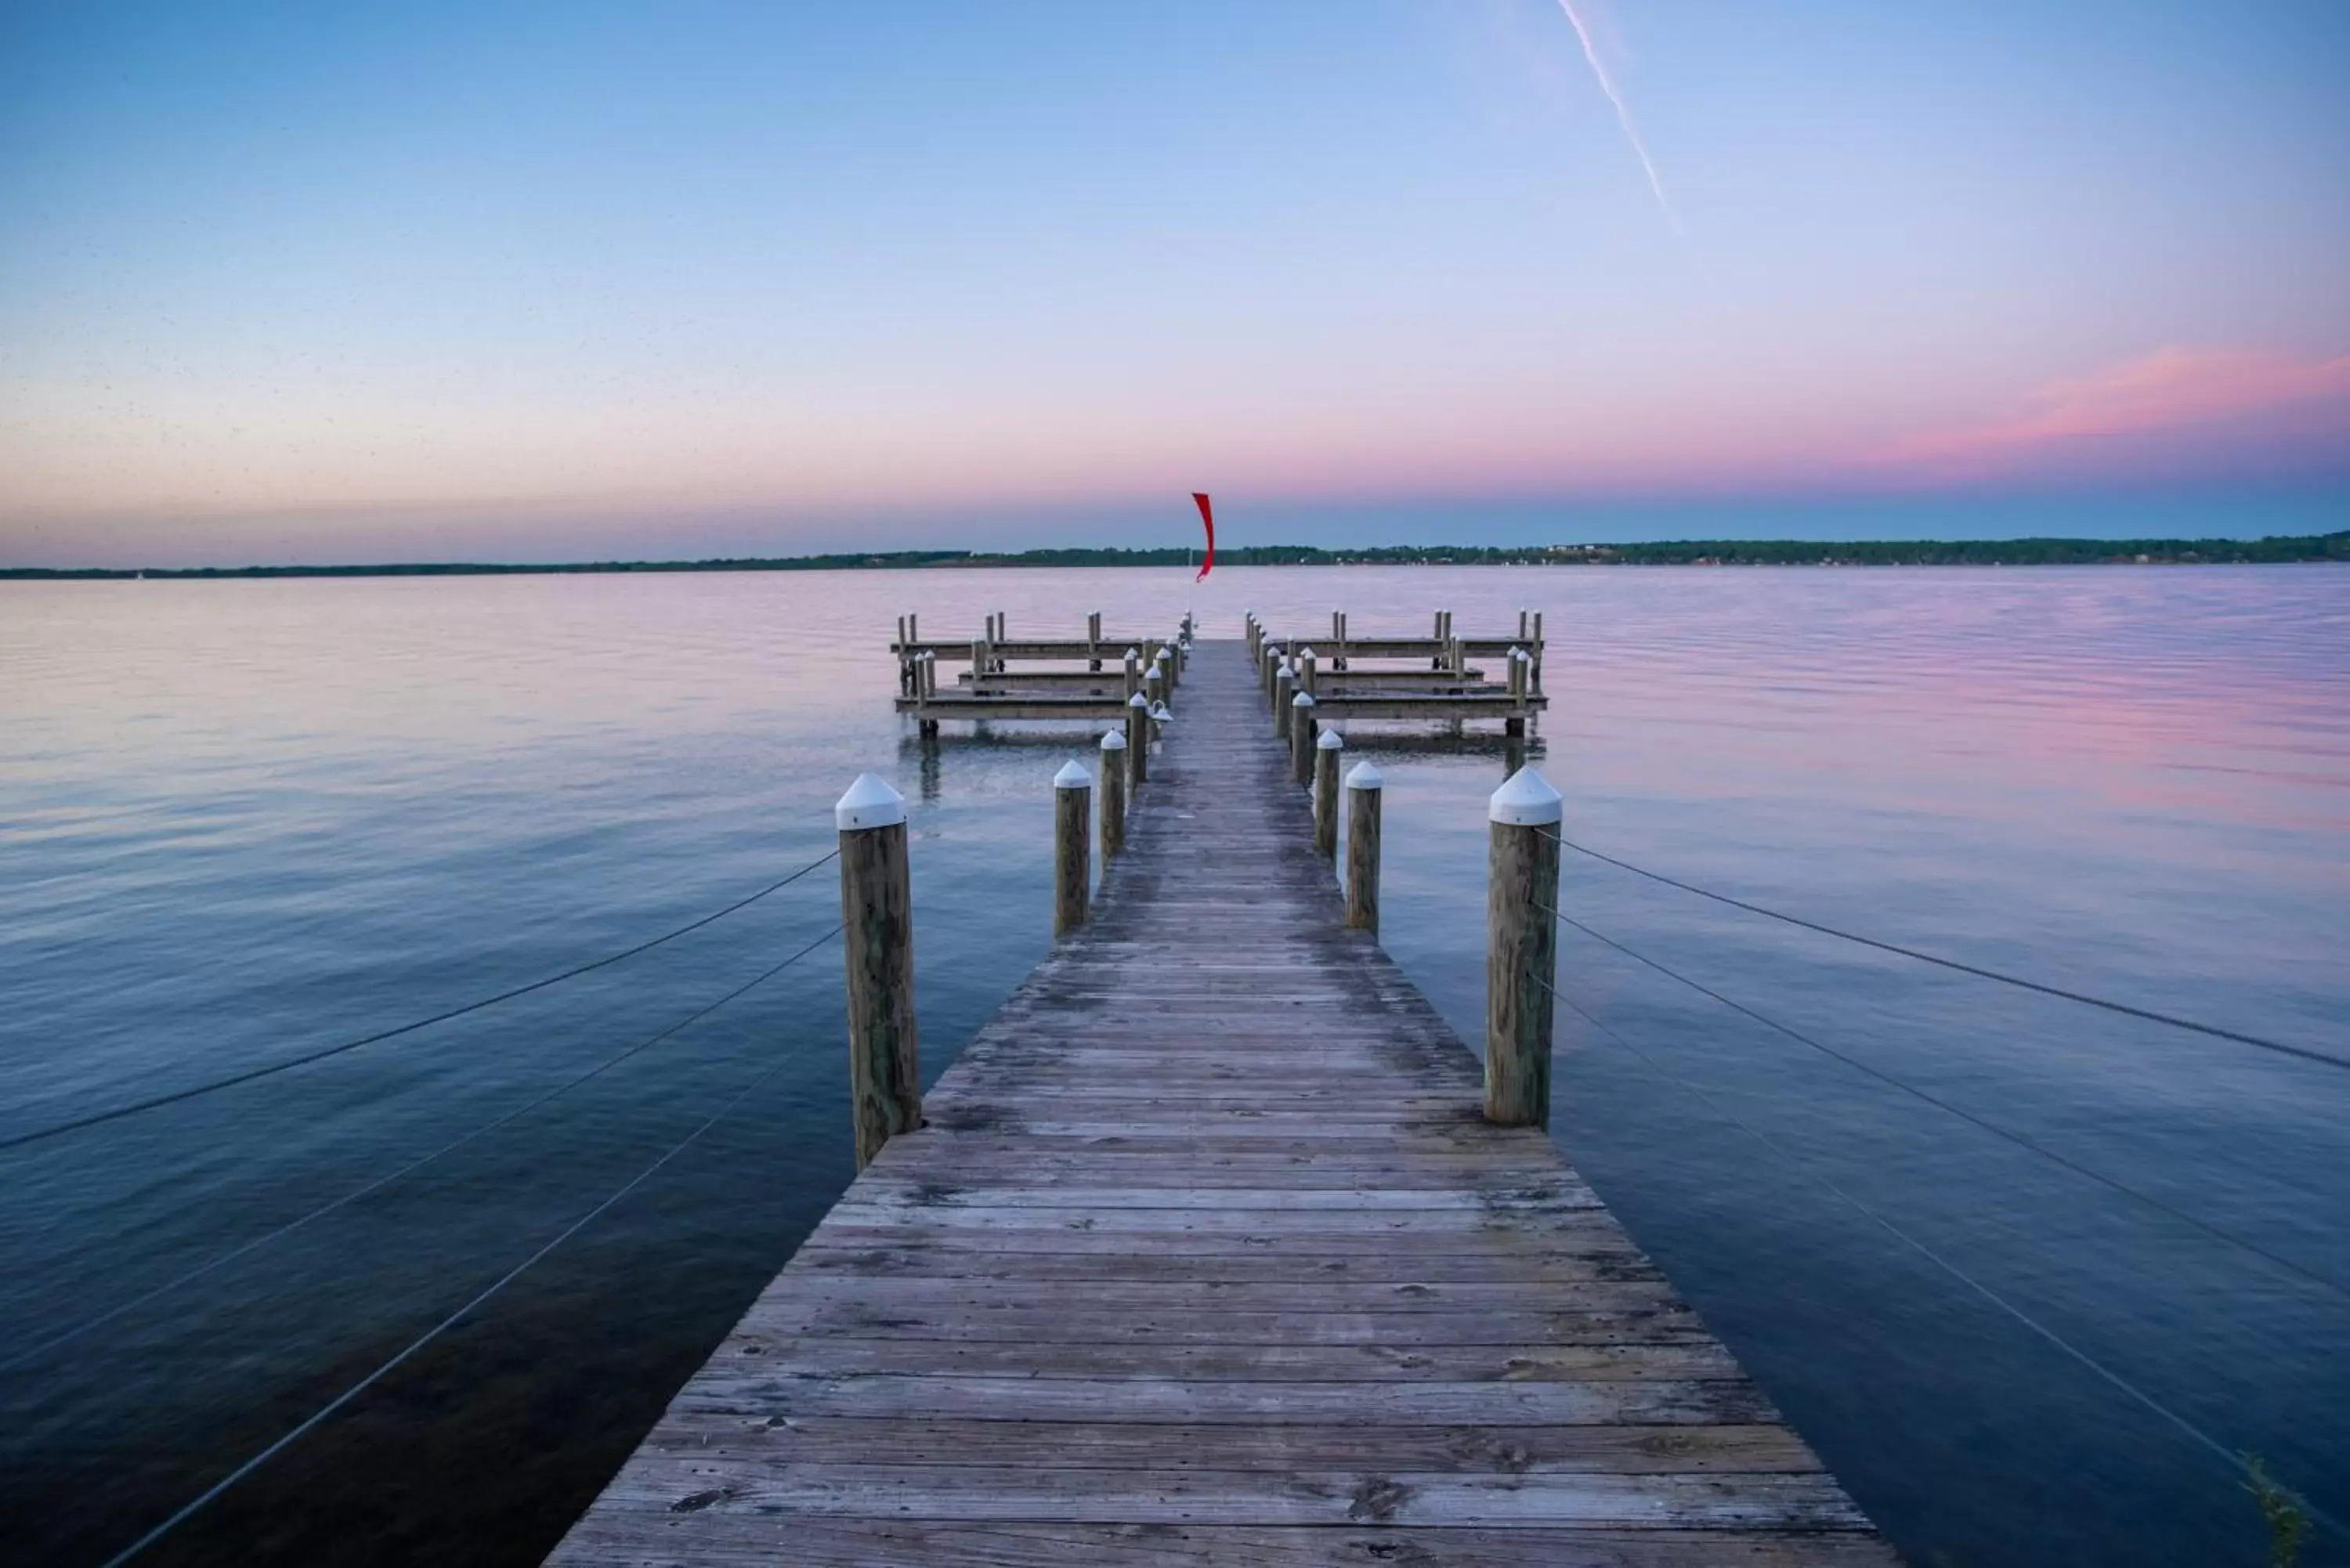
<point>2234,1460</point>
<point>95,1118</point>
<point>42,1347</point>
<point>1994,1128</point>
<point>2150,1014</point>
<point>311,1423</point>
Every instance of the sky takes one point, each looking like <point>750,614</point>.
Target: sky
<point>341,283</point>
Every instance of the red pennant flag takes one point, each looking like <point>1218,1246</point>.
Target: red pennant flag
<point>1208,520</point>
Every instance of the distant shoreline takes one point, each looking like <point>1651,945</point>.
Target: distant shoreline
<point>2277,550</point>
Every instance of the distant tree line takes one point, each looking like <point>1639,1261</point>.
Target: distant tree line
<point>1668,552</point>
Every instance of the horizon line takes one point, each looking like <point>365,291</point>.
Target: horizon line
<point>2028,549</point>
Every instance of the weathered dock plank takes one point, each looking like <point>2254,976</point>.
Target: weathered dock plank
<point>1206,1255</point>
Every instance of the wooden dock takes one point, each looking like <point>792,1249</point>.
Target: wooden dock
<point>1205,1255</point>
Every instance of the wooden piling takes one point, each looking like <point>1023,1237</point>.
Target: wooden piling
<point>1284,698</point>
<point>1308,673</point>
<point>1521,948</point>
<point>1325,794</point>
<point>1073,792</point>
<point>1113,795</point>
<point>1138,743</point>
<point>1133,672</point>
<point>1301,737</point>
<point>1363,791</point>
<point>885,1079</point>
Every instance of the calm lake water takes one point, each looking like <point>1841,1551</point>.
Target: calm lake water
<point>242,819</point>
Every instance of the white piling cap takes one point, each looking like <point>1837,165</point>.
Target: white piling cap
<point>1134,653</point>
<point>869,803</point>
<point>1304,653</point>
<point>1073,776</point>
<point>1138,701</point>
<point>1112,740</point>
<point>1303,699</point>
<point>1160,712</point>
<point>1165,653</point>
<point>1526,801</point>
<point>1151,676</point>
<point>1330,740</point>
<point>1362,775</point>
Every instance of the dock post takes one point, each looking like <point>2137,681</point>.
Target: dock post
<point>1535,655</point>
<point>1363,791</point>
<point>1521,948</point>
<point>1166,669</point>
<point>1133,671</point>
<point>1301,737</point>
<point>978,663</point>
<point>1154,685</point>
<point>1285,696</point>
<point>1325,794</point>
<point>1138,743</point>
<point>1268,670</point>
<point>1113,800</point>
<point>876,916</point>
<point>1308,663</point>
<point>1073,794</point>
<point>1161,716</point>
<point>1093,642</point>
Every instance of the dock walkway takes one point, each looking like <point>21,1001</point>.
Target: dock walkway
<point>1206,1256</point>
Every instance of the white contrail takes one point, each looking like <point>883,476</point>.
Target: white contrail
<point>1623,115</point>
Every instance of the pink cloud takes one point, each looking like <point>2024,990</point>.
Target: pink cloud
<point>2171,391</point>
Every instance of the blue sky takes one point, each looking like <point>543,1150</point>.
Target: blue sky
<point>340,283</point>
